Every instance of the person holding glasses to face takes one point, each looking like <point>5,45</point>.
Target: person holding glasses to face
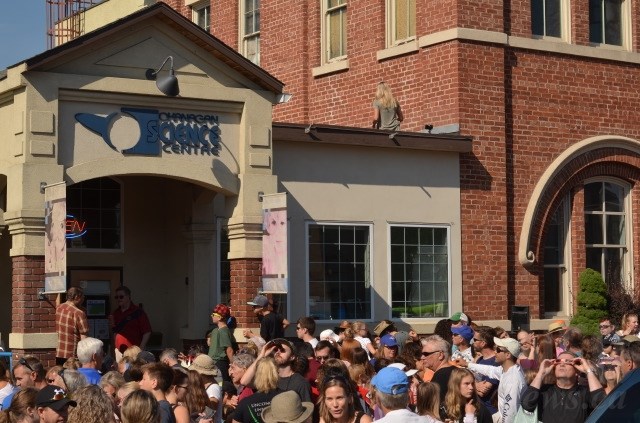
<point>129,323</point>
<point>564,401</point>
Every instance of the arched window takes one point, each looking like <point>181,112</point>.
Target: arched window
<point>605,215</point>
<point>556,255</point>
<point>94,206</point>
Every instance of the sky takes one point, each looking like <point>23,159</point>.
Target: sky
<point>23,30</point>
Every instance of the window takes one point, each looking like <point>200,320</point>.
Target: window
<point>546,18</point>
<point>201,14</point>
<point>224,265</point>
<point>250,18</point>
<point>334,29</point>
<point>555,266</point>
<point>401,21</point>
<point>97,205</point>
<point>606,22</point>
<point>419,271</point>
<point>606,229</point>
<point>339,258</point>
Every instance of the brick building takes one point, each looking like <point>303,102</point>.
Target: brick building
<point>547,90</point>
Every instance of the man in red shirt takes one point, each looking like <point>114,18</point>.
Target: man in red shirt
<point>71,325</point>
<point>130,323</point>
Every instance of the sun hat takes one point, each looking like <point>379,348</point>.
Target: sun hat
<point>329,335</point>
<point>403,367</point>
<point>465,331</point>
<point>221,310</point>
<point>509,343</point>
<point>259,301</point>
<point>389,341</point>
<point>556,326</point>
<point>204,365</point>
<point>631,339</point>
<point>456,317</point>
<point>379,329</point>
<point>287,407</point>
<point>391,380</point>
<point>54,397</point>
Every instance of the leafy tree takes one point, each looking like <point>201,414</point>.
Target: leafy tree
<point>592,302</point>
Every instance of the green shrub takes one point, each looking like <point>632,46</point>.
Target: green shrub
<point>592,302</point>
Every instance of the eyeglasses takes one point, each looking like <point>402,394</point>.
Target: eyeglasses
<point>477,340</point>
<point>604,326</point>
<point>322,357</point>
<point>24,362</point>
<point>428,353</point>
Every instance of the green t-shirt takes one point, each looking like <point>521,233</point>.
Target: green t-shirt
<point>220,340</point>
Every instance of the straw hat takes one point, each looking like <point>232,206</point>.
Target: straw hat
<point>287,407</point>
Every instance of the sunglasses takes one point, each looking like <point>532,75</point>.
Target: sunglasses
<point>502,350</point>
<point>427,354</point>
<point>24,363</point>
<point>477,340</point>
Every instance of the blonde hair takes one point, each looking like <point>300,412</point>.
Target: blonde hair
<point>140,407</point>
<point>625,320</point>
<point>428,400</point>
<point>453,400</point>
<point>384,96</point>
<point>266,378</point>
<point>21,402</point>
<point>94,405</point>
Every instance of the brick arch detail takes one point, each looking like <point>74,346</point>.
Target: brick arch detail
<point>598,156</point>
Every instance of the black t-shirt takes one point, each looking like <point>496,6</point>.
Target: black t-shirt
<point>441,377</point>
<point>557,405</point>
<point>296,382</point>
<point>249,410</point>
<point>271,327</point>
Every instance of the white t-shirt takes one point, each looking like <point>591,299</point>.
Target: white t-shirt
<point>363,343</point>
<point>215,391</point>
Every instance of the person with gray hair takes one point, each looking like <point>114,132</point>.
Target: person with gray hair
<point>73,380</point>
<point>169,356</point>
<point>435,356</point>
<point>90,354</point>
<point>239,365</point>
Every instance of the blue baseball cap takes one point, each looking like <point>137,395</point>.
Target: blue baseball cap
<point>389,341</point>
<point>391,380</point>
<point>465,331</point>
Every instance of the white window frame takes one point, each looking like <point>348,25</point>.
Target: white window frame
<point>197,8</point>
<point>565,23</point>
<point>449,270</point>
<point>627,263</point>
<point>245,38</point>
<point>326,31</point>
<point>566,300</point>
<point>371,272</point>
<point>626,25</point>
<point>392,22</point>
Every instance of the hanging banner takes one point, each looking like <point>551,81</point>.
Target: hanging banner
<point>55,242</point>
<point>275,249</point>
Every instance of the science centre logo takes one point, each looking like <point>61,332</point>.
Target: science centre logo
<point>156,132</point>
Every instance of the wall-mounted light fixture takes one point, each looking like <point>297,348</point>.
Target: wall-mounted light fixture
<point>168,85</point>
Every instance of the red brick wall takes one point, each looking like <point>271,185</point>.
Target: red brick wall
<point>245,282</point>
<point>29,314</point>
<point>523,108</point>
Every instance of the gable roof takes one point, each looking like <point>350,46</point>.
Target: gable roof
<point>180,24</point>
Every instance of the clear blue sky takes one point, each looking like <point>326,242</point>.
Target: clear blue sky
<point>23,30</point>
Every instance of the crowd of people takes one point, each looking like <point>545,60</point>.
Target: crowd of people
<point>463,372</point>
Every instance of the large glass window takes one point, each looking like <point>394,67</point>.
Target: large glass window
<point>555,265</point>
<point>606,229</point>
<point>401,21</point>
<point>605,21</point>
<point>546,18</point>
<point>224,269</point>
<point>339,271</point>
<point>419,271</point>
<point>201,13</point>
<point>96,206</point>
<point>251,30</point>
<point>335,27</point>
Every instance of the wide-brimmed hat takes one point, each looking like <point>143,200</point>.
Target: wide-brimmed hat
<point>204,365</point>
<point>287,407</point>
<point>509,343</point>
<point>556,326</point>
<point>54,397</point>
<point>379,329</point>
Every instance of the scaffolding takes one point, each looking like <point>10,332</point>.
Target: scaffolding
<point>65,20</point>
